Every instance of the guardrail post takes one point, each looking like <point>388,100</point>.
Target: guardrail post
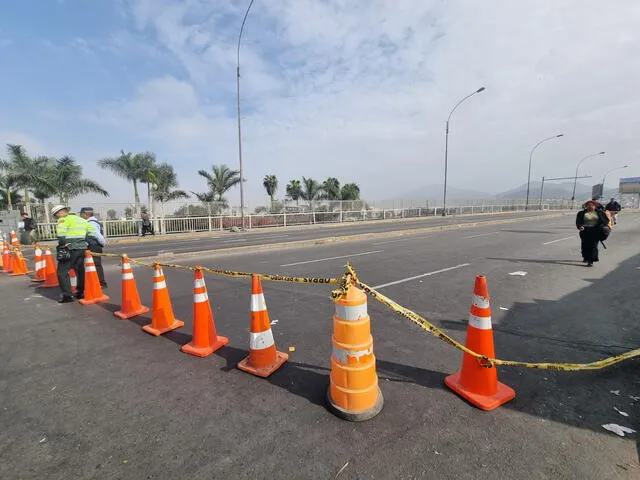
<point>221,218</point>
<point>284,217</point>
<point>340,214</point>
<point>210,224</point>
<point>250,221</point>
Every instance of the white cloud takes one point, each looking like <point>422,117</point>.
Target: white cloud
<point>361,90</point>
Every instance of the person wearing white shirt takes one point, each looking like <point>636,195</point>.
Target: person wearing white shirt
<point>96,241</point>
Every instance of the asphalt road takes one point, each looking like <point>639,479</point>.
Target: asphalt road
<point>153,246</point>
<point>86,395</point>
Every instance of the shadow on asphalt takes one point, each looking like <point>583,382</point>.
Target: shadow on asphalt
<point>571,263</point>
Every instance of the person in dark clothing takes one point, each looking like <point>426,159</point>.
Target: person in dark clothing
<point>96,241</point>
<point>591,221</point>
<point>147,226</point>
<point>613,207</point>
<point>28,226</point>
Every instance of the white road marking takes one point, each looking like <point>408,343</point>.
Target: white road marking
<point>559,240</point>
<point>331,258</point>
<point>235,240</point>
<point>483,235</point>
<point>519,273</point>
<point>392,241</point>
<point>421,276</point>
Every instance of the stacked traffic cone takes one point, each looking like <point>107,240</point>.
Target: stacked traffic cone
<point>205,339</point>
<point>474,382</point>
<point>14,239</point>
<point>263,357</point>
<point>6,258</point>
<point>92,289</point>
<point>19,264</point>
<point>162,318</point>
<point>73,278</point>
<point>131,305</point>
<point>353,392</point>
<point>41,266</point>
<point>50,273</point>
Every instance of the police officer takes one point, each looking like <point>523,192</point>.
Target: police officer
<point>96,241</point>
<point>72,232</point>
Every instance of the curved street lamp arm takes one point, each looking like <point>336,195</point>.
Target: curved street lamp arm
<point>244,20</point>
<point>458,104</point>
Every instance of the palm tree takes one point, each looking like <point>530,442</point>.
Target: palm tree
<point>222,180</point>
<point>8,191</point>
<point>129,166</point>
<point>23,168</point>
<point>64,180</point>
<point>294,191</point>
<point>311,190</point>
<point>165,180</point>
<point>208,198</point>
<point>147,173</point>
<point>270,184</point>
<point>350,191</point>
<point>331,188</point>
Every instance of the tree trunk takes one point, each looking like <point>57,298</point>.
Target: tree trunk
<point>9,203</point>
<point>136,196</point>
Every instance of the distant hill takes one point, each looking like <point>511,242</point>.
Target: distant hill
<point>432,192</point>
<point>552,191</point>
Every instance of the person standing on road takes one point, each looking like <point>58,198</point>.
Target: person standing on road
<point>27,225</point>
<point>613,207</point>
<point>72,233</point>
<point>591,222</point>
<point>96,241</point>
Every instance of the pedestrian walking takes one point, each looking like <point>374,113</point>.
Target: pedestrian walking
<point>591,222</point>
<point>96,241</point>
<point>72,232</point>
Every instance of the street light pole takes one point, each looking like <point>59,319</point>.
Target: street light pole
<point>239,121</point>
<point>526,205</point>
<point>558,178</point>
<point>446,149</point>
<point>575,179</point>
<point>605,175</point>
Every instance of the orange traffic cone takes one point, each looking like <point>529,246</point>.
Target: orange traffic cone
<point>74,280</point>
<point>353,392</point>
<point>205,340</point>
<point>19,264</point>
<point>131,305</point>
<point>50,273</point>
<point>477,384</point>
<point>92,289</point>
<point>14,239</point>
<point>6,258</point>
<point>263,357</point>
<point>162,318</point>
<point>41,266</point>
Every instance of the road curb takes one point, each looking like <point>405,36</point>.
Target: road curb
<point>343,239</point>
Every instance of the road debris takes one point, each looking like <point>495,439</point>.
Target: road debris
<point>618,429</point>
<point>624,414</point>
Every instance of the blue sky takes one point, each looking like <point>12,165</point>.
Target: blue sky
<point>330,87</point>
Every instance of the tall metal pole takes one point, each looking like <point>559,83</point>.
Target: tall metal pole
<point>605,175</point>
<point>575,179</point>
<point>541,190</point>
<point>446,149</point>
<point>239,120</point>
<point>526,205</point>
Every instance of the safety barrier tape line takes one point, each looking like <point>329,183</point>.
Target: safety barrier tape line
<point>483,359</point>
<point>230,273</point>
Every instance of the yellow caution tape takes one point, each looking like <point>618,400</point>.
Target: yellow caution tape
<point>483,359</point>
<point>230,273</point>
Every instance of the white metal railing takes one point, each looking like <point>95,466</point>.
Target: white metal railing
<point>171,225</point>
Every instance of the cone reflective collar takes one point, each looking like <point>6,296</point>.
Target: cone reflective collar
<point>475,383</point>
<point>51,276</point>
<point>6,258</point>
<point>40,266</point>
<point>131,305</point>
<point>92,289</point>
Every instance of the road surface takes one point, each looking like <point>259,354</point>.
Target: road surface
<point>86,395</point>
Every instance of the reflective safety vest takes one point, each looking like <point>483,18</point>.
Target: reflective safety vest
<point>74,230</point>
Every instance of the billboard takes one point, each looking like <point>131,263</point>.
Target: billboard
<point>596,191</point>
<point>630,185</point>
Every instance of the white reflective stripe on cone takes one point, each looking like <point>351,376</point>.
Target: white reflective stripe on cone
<point>351,313</point>
<point>159,285</point>
<point>158,273</point>
<point>126,266</point>
<point>199,282</point>
<point>261,340</point>
<point>38,252</point>
<point>480,301</point>
<point>481,323</point>
<point>127,276</point>
<point>90,268</point>
<point>343,355</point>
<point>41,265</point>
<point>200,297</point>
<point>258,303</point>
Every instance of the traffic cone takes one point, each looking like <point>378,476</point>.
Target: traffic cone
<point>131,305</point>
<point>92,289</point>
<point>74,280</point>
<point>475,383</point>
<point>263,357</point>
<point>50,272</point>
<point>19,264</point>
<point>14,239</point>
<point>162,318</point>
<point>353,392</point>
<point>6,258</point>
<point>41,266</point>
<point>205,340</point>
